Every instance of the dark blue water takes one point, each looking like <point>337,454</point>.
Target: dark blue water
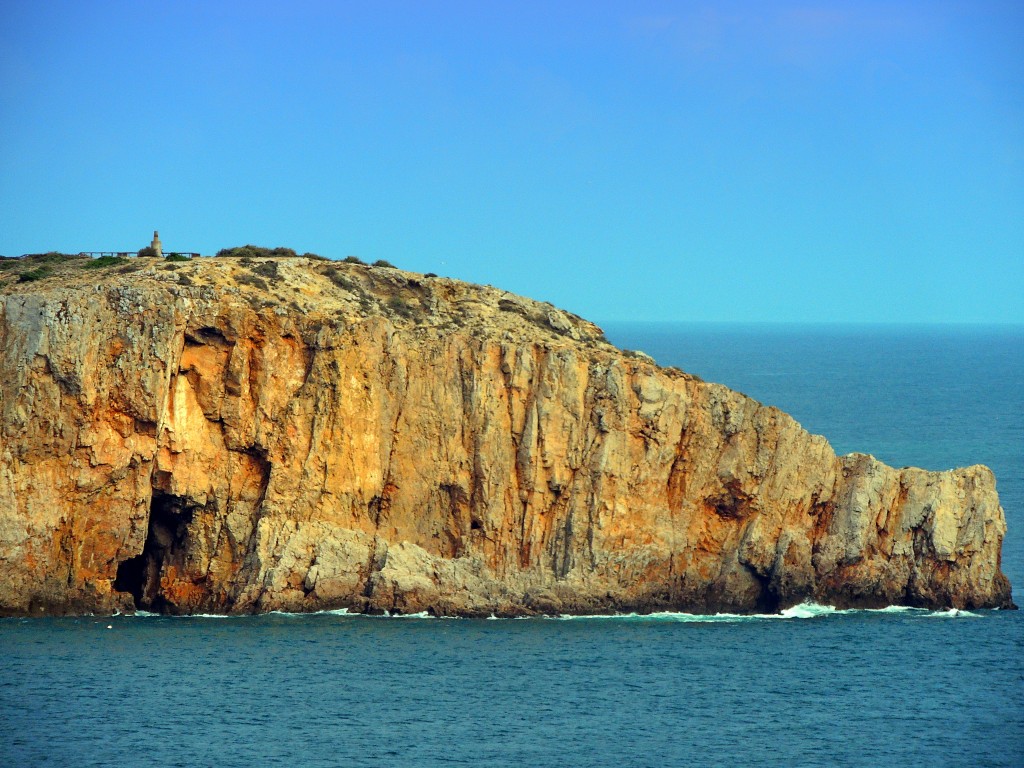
<point>814,688</point>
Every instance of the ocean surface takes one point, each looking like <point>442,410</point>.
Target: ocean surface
<point>811,687</point>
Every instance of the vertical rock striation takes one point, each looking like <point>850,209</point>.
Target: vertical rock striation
<point>193,441</point>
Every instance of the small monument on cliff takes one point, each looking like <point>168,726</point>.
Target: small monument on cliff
<point>156,245</point>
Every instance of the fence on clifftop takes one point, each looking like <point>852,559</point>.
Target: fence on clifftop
<point>131,254</point>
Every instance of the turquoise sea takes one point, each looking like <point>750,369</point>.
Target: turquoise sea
<point>812,687</point>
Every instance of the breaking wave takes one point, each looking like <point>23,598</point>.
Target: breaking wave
<point>801,611</point>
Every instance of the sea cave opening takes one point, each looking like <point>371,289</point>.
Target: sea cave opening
<point>169,518</point>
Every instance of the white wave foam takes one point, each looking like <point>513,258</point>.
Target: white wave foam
<point>151,615</point>
<point>800,611</point>
<point>809,611</point>
<point>953,613</point>
<point>665,616</point>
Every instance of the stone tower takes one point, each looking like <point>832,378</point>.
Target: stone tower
<point>157,245</point>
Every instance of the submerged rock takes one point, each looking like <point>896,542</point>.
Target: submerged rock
<point>237,435</point>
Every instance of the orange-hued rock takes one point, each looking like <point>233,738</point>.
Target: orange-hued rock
<point>191,440</point>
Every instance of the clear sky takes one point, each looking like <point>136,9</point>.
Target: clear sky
<point>748,161</point>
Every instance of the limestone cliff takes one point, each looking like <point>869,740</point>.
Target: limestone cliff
<point>230,435</point>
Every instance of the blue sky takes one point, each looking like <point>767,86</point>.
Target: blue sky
<point>742,161</point>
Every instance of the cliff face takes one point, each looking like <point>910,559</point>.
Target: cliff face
<point>191,440</point>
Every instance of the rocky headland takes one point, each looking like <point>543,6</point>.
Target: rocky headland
<point>236,435</point>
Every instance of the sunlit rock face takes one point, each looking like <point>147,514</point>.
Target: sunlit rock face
<point>235,436</point>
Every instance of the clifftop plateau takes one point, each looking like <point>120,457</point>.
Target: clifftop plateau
<point>232,435</point>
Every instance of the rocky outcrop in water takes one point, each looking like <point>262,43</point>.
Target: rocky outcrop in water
<point>237,435</point>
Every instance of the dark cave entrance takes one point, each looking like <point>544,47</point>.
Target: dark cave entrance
<point>768,600</point>
<point>169,518</point>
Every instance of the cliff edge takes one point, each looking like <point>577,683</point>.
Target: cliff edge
<point>231,435</point>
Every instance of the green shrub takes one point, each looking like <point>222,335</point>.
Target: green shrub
<point>253,280</point>
<point>400,306</point>
<point>636,354</point>
<point>353,260</point>
<point>266,268</point>
<point>50,257</point>
<point>104,261</point>
<point>177,257</point>
<point>149,252</point>
<point>339,279</point>
<point>35,274</point>
<point>256,252</point>
<point>383,263</point>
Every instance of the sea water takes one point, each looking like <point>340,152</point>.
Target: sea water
<point>812,686</point>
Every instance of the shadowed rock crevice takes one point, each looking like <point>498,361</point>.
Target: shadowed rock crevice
<point>768,600</point>
<point>166,546</point>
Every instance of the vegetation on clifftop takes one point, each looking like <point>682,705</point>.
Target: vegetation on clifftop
<point>282,279</point>
<point>258,252</point>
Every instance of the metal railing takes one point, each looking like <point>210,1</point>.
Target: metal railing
<point>132,254</point>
